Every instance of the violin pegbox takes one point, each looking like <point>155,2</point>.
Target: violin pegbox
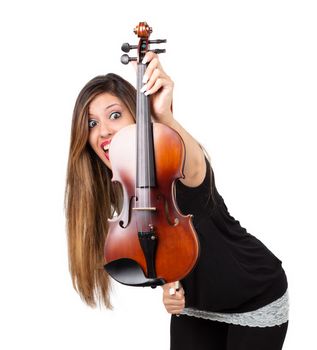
<point>143,31</point>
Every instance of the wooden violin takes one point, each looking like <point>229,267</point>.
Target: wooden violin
<point>150,242</point>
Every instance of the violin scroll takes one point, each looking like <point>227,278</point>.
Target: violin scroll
<point>142,30</point>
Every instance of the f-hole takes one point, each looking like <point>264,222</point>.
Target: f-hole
<point>170,221</point>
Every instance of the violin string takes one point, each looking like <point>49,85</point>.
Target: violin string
<point>144,144</point>
<point>148,126</point>
<point>147,153</point>
<point>143,152</point>
<point>139,135</point>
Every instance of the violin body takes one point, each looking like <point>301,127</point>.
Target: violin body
<point>177,248</point>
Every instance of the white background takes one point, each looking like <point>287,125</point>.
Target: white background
<point>245,86</point>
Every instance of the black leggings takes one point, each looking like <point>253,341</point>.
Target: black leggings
<point>193,333</point>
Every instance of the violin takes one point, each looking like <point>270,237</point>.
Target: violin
<point>150,242</point>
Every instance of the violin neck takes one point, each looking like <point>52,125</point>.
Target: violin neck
<point>145,176</point>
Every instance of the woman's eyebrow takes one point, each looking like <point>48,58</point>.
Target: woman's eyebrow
<point>111,105</point>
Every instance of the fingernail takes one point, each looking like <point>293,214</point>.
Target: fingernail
<point>147,93</point>
<point>144,60</point>
<point>171,291</point>
<point>145,79</point>
<point>143,88</point>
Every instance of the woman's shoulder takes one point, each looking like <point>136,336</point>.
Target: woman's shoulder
<point>200,199</point>
<point>194,166</point>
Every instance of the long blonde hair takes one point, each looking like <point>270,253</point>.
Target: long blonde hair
<point>90,197</point>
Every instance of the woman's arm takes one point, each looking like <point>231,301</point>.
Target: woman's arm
<point>195,165</point>
<point>160,86</point>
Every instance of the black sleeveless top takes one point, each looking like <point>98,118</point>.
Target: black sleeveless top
<point>235,272</point>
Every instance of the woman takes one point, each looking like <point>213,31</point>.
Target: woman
<point>236,296</point>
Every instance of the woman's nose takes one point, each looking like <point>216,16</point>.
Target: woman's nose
<point>105,130</point>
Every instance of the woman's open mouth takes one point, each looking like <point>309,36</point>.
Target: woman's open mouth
<point>105,147</point>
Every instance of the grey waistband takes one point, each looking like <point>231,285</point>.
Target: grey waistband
<point>270,315</point>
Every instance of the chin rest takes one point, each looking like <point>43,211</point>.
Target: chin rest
<point>130,273</point>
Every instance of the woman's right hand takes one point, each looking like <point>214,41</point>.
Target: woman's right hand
<point>173,297</point>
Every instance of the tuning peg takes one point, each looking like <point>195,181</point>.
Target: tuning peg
<point>158,50</point>
<point>125,59</point>
<point>126,47</point>
<point>157,41</point>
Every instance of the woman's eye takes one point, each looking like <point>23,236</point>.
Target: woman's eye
<point>115,115</point>
<point>92,123</point>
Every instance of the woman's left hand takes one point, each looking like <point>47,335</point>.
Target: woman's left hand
<point>160,87</point>
<point>173,297</point>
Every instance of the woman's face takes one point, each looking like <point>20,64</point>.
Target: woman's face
<point>107,115</point>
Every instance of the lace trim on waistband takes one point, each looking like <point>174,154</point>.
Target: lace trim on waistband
<point>273,314</point>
